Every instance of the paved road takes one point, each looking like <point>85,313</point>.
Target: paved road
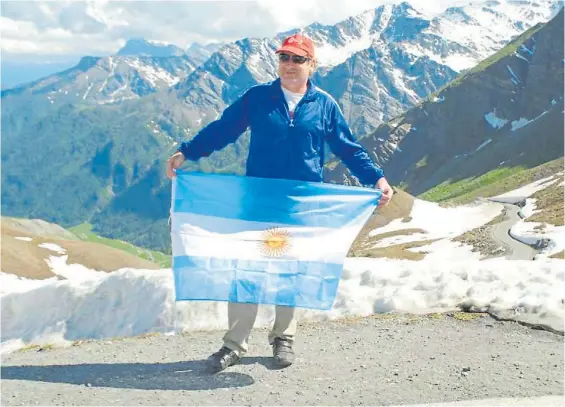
<point>386,360</point>
<point>501,233</point>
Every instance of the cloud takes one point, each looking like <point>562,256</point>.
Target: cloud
<point>101,27</point>
<point>77,19</point>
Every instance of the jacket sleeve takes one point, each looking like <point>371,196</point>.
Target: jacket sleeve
<point>221,132</point>
<point>344,145</point>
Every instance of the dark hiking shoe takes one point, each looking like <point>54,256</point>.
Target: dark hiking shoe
<point>222,359</point>
<point>282,352</point>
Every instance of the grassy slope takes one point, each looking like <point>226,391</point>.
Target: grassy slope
<point>489,184</point>
<point>83,231</point>
<point>549,201</point>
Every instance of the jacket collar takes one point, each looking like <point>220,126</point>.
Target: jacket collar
<point>308,96</point>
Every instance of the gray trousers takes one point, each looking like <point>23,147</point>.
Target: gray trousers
<point>241,318</point>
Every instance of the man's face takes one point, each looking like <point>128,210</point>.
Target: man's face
<point>293,71</point>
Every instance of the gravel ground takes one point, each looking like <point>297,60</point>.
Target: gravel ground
<point>378,361</point>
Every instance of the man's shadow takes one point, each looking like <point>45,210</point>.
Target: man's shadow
<point>189,375</point>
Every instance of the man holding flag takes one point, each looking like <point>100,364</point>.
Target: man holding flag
<point>290,120</point>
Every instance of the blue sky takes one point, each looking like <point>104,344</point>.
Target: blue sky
<point>51,29</point>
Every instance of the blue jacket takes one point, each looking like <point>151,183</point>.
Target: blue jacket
<point>281,147</point>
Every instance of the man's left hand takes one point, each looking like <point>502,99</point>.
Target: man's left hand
<point>384,186</point>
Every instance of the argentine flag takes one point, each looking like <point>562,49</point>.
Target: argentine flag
<point>264,241</point>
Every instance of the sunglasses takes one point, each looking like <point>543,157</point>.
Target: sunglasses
<point>297,59</point>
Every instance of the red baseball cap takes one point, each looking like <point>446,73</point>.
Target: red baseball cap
<point>299,45</point>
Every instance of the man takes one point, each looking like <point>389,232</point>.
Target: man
<point>290,120</point>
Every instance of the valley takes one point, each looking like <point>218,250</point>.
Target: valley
<point>451,120</point>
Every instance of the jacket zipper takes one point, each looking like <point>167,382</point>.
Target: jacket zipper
<point>293,115</point>
<point>290,115</point>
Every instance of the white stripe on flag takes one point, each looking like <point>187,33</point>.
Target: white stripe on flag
<point>230,238</point>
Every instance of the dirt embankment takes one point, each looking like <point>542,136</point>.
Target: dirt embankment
<point>23,256</point>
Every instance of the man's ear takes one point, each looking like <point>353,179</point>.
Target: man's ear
<point>313,66</point>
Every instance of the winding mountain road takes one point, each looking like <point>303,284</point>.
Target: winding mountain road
<point>501,233</point>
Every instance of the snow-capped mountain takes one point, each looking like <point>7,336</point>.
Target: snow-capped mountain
<point>376,64</point>
<point>505,112</point>
<point>146,48</point>
<point>459,37</point>
<point>103,80</point>
<point>138,69</point>
<point>200,53</point>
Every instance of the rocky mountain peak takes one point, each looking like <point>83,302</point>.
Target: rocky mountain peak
<point>143,47</point>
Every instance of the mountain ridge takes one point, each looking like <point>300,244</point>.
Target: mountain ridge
<point>491,105</point>
<point>120,186</point>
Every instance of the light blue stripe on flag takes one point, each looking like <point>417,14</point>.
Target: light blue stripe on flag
<point>263,241</point>
<point>300,284</point>
<point>265,199</point>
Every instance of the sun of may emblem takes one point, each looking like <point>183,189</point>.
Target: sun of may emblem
<point>275,242</point>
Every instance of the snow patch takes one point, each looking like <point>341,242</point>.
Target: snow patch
<point>87,91</point>
<point>130,302</point>
<point>483,144</point>
<point>424,215</point>
<point>459,62</point>
<point>522,122</point>
<point>529,208</point>
<point>514,78</point>
<point>113,66</point>
<point>329,56</point>
<point>517,55</point>
<point>153,74</point>
<point>75,272</point>
<point>526,191</point>
<point>495,121</point>
<point>526,49</point>
<point>53,247</point>
<point>532,232</point>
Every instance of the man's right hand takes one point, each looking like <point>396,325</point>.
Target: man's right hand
<point>174,162</point>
